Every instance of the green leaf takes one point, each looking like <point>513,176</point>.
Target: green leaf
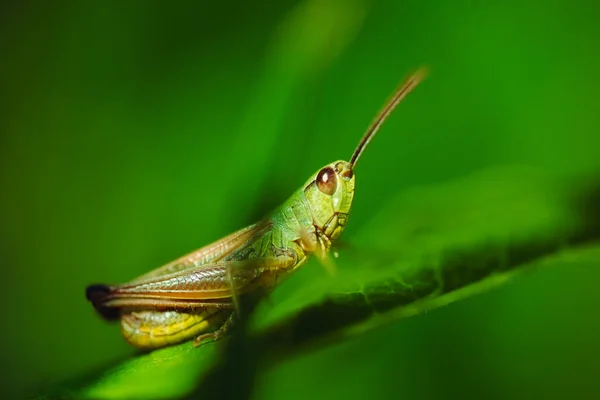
<point>166,372</point>
<point>427,248</point>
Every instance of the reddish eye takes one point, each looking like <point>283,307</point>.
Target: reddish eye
<point>327,181</point>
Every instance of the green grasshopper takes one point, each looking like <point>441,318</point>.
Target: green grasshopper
<point>196,295</point>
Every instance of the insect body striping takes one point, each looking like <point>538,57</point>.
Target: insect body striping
<point>152,329</point>
<point>197,293</point>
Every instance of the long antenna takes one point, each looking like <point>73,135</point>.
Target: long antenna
<point>405,88</point>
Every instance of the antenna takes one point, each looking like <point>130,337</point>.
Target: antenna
<point>405,88</point>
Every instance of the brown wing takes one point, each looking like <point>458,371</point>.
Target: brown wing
<point>208,285</point>
<point>211,253</point>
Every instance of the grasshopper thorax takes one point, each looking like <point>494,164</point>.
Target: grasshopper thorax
<point>329,194</point>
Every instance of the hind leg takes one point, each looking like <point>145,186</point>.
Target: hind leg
<point>216,335</point>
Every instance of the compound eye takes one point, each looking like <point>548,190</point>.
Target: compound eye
<point>327,181</point>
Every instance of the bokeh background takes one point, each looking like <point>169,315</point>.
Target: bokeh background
<point>133,132</point>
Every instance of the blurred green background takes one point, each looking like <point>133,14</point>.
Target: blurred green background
<point>133,132</point>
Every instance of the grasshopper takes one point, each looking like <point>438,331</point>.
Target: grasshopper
<point>195,296</point>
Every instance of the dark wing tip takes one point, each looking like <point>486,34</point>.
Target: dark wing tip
<point>97,295</point>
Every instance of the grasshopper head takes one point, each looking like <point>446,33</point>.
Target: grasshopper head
<point>329,193</point>
<point>331,190</point>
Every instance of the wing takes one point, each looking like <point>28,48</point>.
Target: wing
<point>211,285</point>
<point>211,253</point>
